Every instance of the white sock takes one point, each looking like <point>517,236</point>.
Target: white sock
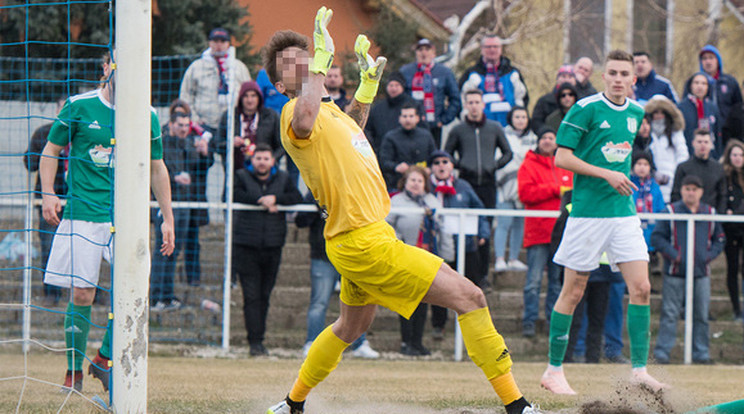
<point>553,368</point>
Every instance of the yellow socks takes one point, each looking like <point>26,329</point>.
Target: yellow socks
<point>322,358</point>
<point>488,351</point>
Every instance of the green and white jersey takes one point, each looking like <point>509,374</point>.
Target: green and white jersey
<point>86,124</point>
<point>601,133</point>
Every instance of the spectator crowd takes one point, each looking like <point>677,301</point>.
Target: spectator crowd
<point>467,142</point>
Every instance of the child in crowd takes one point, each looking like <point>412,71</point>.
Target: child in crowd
<point>648,197</point>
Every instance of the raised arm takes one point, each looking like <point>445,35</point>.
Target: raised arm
<point>565,158</point>
<point>370,72</point>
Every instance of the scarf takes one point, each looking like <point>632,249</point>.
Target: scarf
<point>222,67</point>
<point>422,89</point>
<point>248,127</point>
<point>700,107</point>
<point>645,200</point>
<point>443,187</point>
<point>491,83</point>
<point>428,230</point>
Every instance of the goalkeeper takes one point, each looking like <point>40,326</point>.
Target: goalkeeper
<point>339,166</point>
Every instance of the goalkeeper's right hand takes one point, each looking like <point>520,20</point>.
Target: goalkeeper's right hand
<point>324,49</point>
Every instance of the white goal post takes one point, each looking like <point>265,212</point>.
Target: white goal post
<point>131,206</point>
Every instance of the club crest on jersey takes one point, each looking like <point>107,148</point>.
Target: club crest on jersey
<point>616,152</point>
<point>361,144</point>
<point>632,125</point>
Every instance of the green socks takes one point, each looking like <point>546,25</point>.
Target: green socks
<point>77,325</point>
<point>105,350</point>
<point>560,326</point>
<point>639,321</point>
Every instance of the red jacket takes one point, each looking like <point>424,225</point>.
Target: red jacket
<point>539,185</point>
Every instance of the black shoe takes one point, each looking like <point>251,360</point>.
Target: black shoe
<point>258,350</point>
<point>703,361</point>
<point>528,331</point>
<point>406,349</point>
<point>420,350</point>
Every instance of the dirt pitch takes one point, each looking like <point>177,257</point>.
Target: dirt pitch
<point>234,383</point>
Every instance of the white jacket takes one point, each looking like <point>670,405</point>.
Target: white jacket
<point>667,158</point>
<point>506,178</point>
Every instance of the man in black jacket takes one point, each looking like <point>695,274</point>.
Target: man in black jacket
<point>258,237</point>
<point>404,146</point>
<point>383,117</point>
<point>547,103</point>
<point>474,142</point>
<point>709,170</point>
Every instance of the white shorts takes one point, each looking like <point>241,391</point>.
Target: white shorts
<point>77,249</point>
<point>585,239</point>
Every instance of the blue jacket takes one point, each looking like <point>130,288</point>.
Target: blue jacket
<point>648,199</point>
<point>670,238</point>
<point>445,86</point>
<point>272,98</point>
<point>689,112</point>
<point>466,197</point>
<point>513,89</point>
<point>724,90</point>
<point>652,85</point>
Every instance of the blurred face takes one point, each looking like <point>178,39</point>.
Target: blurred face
<point>691,194</point>
<point>583,69</point>
<point>642,66</point>
<point>520,120</point>
<point>737,157</point>
<point>442,168</point>
<point>699,86</point>
<point>250,102</point>
<point>566,78</point>
<point>567,98</point>
<point>408,118</point>
<point>491,49</point>
<point>618,78</point>
<point>180,127</point>
<point>709,62</point>
<point>333,79</point>
<point>262,162</point>
<point>415,183</point>
<point>292,67</point>
<point>474,105</point>
<point>394,89</point>
<point>642,168</point>
<point>547,145</point>
<point>425,55</point>
<point>702,146</point>
<point>218,46</point>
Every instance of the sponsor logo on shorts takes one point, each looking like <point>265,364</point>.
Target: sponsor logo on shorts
<point>616,152</point>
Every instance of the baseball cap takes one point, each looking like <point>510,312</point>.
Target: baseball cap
<point>439,154</point>
<point>424,42</point>
<point>219,34</point>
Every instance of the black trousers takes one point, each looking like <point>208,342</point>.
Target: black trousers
<point>487,194</point>
<point>191,253</point>
<point>256,268</point>
<point>733,250</point>
<point>594,303</point>
<point>412,330</point>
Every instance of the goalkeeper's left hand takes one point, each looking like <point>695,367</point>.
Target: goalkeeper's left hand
<point>370,71</point>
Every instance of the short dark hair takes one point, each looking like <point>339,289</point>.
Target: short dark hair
<point>701,131</point>
<point>409,105</point>
<point>263,147</point>
<point>642,53</point>
<point>175,115</point>
<point>474,91</point>
<point>620,55</point>
<point>279,41</point>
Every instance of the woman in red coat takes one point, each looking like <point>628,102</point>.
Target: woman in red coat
<point>540,186</point>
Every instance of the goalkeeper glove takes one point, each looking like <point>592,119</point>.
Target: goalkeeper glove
<point>370,71</point>
<point>323,43</point>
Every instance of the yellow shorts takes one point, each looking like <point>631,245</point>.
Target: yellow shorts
<point>377,268</point>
